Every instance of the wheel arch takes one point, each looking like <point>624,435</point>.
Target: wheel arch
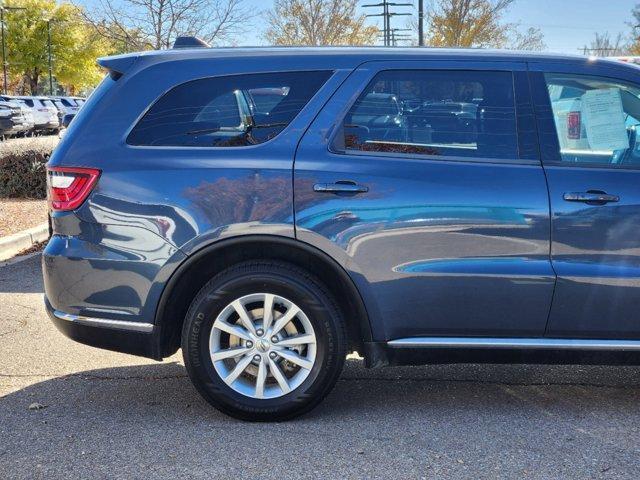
<point>206,262</point>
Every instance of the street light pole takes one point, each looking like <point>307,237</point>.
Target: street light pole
<point>49,49</point>
<point>421,23</point>
<point>4,57</point>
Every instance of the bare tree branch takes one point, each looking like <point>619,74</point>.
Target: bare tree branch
<point>144,24</point>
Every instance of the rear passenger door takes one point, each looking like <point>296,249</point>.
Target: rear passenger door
<point>589,124</point>
<point>417,180</point>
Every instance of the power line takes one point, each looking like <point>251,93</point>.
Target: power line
<point>387,14</point>
<point>396,37</point>
<point>602,51</point>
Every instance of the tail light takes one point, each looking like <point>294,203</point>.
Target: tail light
<point>68,187</point>
<point>574,125</point>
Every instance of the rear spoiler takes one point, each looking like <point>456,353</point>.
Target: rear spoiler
<point>117,65</point>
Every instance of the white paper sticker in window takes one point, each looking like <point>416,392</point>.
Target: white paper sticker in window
<point>604,119</point>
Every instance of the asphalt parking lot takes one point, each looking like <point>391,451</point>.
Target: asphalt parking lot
<point>112,415</point>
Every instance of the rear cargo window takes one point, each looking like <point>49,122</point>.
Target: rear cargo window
<point>229,111</point>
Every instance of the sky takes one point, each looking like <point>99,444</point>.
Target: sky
<point>566,24</point>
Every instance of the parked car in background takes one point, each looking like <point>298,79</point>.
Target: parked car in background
<point>30,119</point>
<point>69,104</point>
<point>64,123</point>
<point>15,119</point>
<point>45,113</point>
<point>61,109</point>
<point>629,59</point>
<point>8,111</point>
<point>494,217</point>
<point>27,113</point>
<point>66,120</point>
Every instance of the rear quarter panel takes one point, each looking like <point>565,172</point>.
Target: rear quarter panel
<point>154,206</point>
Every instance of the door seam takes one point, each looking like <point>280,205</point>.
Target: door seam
<point>549,207</point>
<point>297,147</point>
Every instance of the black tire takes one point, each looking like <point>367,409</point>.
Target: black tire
<point>277,278</point>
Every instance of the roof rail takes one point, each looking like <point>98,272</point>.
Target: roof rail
<point>190,42</point>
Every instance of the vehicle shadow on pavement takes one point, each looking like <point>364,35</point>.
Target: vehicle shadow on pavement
<point>109,420</point>
<point>145,391</point>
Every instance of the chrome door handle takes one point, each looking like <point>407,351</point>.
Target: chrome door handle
<point>342,186</point>
<point>595,197</point>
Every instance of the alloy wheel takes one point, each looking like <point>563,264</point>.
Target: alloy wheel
<point>262,345</point>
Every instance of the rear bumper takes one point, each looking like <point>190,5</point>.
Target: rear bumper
<point>12,128</point>
<point>126,337</point>
<point>103,283</point>
<point>47,125</point>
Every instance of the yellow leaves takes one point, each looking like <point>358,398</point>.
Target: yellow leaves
<point>74,47</point>
<point>468,23</point>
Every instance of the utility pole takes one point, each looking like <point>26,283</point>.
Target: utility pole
<point>386,23</point>
<point>4,47</point>
<point>387,14</point>
<point>421,23</point>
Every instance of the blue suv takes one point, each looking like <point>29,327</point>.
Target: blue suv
<point>269,210</point>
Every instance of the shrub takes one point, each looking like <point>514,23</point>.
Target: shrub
<point>22,166</point>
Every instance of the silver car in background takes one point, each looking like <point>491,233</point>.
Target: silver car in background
<point>45,113</point>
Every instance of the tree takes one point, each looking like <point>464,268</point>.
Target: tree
<point>531,39</point>
<point>74,46</point>
<point>318,22</point>
<point>144,24</point>
<point>477,23</point>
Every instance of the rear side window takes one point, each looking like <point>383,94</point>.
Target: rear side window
<point>597,119</point>
<point>434,113</point>
<point>228,111</point>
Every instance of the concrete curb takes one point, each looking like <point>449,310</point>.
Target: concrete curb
<point>14,244</point>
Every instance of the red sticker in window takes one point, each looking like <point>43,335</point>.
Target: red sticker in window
<point>574,125</point>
